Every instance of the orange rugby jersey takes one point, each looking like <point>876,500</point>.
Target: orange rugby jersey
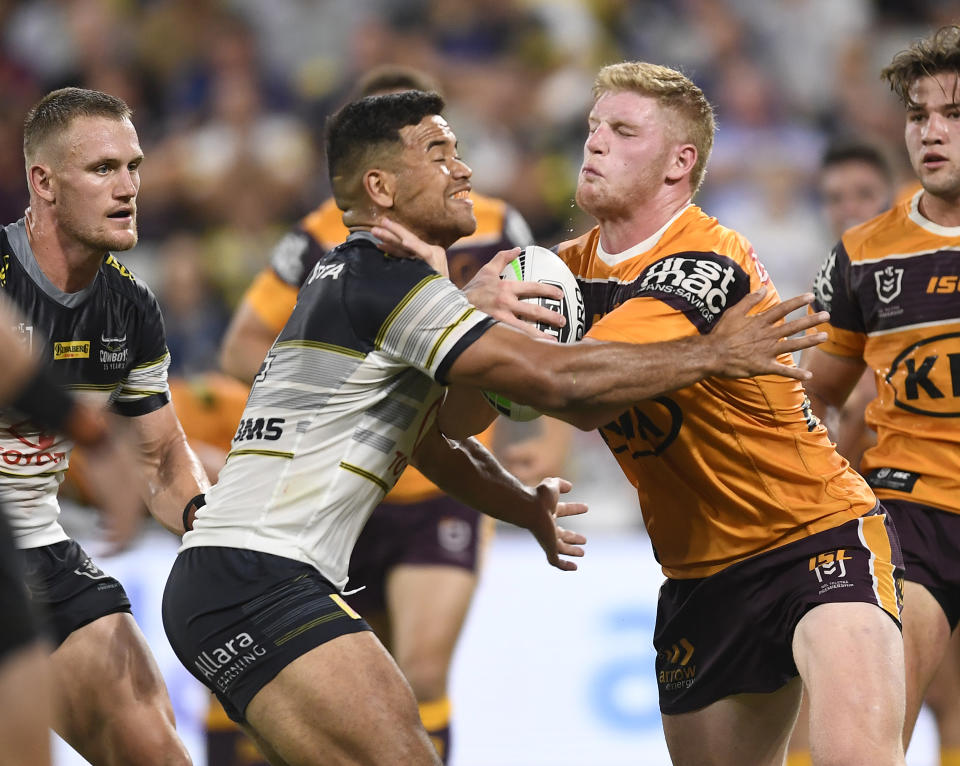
<point>724,469</point>
<point>273,293</point>
<point>892,286</point>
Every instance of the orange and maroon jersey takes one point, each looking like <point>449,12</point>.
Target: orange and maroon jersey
<point>892,286</point>
<point>273,293</point>
<point>724,469</point>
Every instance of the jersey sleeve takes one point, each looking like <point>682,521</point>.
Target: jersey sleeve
<point>271,298</point>
<point>418,316</point>
<point>294,256</point>
<point>846,335</point>
<point>145,389</point>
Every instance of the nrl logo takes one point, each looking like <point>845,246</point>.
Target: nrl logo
<point>889,281</point>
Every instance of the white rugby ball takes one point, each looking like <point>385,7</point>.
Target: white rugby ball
<point>537,264</point>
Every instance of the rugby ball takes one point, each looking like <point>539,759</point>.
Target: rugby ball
<point>537,264</point>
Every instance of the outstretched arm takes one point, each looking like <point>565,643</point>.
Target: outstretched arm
<point>468,472</point>
<point>566,379</point>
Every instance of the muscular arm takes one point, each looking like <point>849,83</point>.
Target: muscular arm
<point>832,380</point>
<point>469,472</point>
<point>565,380</point>
<point>172,472</point>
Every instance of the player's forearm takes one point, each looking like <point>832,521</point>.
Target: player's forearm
<point>173,477</point>
<point>599,376</point>
<point>467,471</point>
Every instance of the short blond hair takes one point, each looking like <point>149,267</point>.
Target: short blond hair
<point>673,90</point>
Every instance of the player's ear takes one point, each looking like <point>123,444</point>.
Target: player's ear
<point>40,178</point>
<point>380,186</point>
<point>684,159</point>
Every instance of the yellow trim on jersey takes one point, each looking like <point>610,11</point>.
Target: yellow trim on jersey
<point>263,452</point>
<point>314,344</point>
<point>366,475</point>
<point>445,334</point>
<point>90,386</point>
<point>385,327</point>
<point>152,363</point>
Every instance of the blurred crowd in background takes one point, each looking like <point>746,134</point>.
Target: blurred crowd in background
<point>230,97</point>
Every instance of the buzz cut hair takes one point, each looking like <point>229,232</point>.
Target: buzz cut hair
<point>673,90</point>
<point>54,112</point>
<point>365,131</point>
<point>938,53</point>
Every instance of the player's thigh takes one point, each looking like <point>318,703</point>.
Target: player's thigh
<point>343,702</point>
<point>850,656</point>
<point>740,730</point>
<point>428,606</point>
<point>110,695</point>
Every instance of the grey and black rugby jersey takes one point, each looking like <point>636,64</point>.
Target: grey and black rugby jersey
<point>352,382</point>
<point>105,342</point>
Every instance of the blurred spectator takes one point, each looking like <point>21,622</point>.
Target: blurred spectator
<point>193,313</point>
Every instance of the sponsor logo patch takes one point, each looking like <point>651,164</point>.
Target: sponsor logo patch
<point>701,285</point>
<point>71,349</point>
<point>680,673</point>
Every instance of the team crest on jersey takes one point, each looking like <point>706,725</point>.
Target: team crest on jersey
<point>889,281</point>
<point>823,282</point>
<point>71,349</point>
<point>113,352</point>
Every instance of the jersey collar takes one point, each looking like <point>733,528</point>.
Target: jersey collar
<point>925,223</point>
<point>612,259</point>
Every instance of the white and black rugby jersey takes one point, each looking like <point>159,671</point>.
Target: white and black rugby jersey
<point>352,382</point>
<point>105,342</point>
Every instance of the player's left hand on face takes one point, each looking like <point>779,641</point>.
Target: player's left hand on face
<point>554,539</point>
<point>504,299</point>
<point>399,241</point>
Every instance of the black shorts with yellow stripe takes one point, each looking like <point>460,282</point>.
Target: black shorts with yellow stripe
<point>236,618</point>
<point>732,632</point>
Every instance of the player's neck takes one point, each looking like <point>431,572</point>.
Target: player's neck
<point>940,210</point>
<point>620,234</point>
<point>70,266</point>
